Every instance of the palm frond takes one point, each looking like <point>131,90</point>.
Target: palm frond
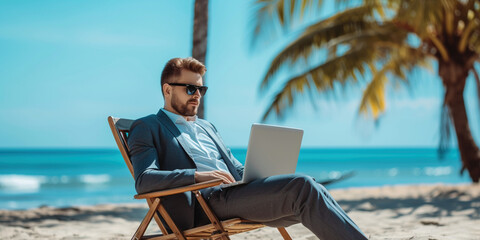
<point>341,70</point>
<point>472,26</point>
<point>379,6</point>
<point>373,98</point>
<point>264,25</point>
<point>402,61</point>
<point>423,17</point>
<point>440,46</point>
<point>385,35</point>
<point>475,42</point>
<point>314,37</point>
<point>271,15</point>
<point>405,59</point>
<point>285,98</point>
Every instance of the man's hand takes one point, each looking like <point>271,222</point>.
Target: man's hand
<point>213,175</point>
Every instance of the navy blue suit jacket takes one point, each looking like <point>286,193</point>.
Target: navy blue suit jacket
<point>161,159</point>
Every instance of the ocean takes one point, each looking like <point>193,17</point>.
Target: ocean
<point>62,178</point>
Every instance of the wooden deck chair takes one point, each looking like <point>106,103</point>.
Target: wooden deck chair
<point>216,230</point>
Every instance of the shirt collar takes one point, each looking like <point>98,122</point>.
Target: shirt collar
<point>179,119</point>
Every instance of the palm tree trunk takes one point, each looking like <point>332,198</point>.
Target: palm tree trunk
<point>454,76</point>
<point>199,49</point>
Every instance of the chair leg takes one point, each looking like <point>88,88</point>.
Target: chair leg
<point>217,224</point>
<point>170,222</point>
<point>284,233</point>
<point>157,218</point>
<point>146,220</point>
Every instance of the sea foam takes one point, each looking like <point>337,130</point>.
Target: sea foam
<point>21,183</point>
<point>438,171</point>
<point>95,179</point>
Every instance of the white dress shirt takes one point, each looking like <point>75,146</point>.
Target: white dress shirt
<point>204,152</point>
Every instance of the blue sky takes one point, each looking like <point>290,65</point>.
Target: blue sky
<point>66,65</point>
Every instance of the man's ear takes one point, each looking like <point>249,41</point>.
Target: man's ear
<point>166,89</point>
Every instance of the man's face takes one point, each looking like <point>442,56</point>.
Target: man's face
<point>182,103</point>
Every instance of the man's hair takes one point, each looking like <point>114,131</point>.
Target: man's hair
<point>174,68</point>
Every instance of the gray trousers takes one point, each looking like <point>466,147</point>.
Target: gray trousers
<point>284,200</point>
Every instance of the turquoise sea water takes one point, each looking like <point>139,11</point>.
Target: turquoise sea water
<point>33,178</point>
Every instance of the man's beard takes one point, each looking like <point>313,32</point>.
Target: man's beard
<point>185,109</point>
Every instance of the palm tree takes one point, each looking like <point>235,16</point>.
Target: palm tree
<point>371,45</point>
<point>199,48</point>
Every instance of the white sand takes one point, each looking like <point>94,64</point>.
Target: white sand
<point>400,212</point>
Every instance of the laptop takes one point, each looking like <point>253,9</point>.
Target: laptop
<point>272,150</point>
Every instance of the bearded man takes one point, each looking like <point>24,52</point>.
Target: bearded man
<point>174,148</point>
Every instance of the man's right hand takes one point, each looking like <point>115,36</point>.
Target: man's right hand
<point>214,175</point>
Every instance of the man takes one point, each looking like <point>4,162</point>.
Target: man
<point>174,148</point>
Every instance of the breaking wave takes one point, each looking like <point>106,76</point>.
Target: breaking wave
<point>21,183</point>
<point>33,183</point>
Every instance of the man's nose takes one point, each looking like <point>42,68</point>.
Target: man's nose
<point>197,94</point>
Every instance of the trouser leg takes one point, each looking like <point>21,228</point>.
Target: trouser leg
<point>284,200</point>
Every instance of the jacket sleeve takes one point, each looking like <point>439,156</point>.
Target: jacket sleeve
<point>146,166</point>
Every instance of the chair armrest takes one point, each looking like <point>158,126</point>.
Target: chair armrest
<point>196,186</point>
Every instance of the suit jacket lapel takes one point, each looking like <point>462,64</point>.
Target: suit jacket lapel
<point>176,133</point>
<point>174,130</point>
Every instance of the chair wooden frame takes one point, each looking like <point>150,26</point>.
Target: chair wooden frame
<point>215,230</point>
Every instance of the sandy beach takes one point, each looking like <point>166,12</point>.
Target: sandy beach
<point>391,212</point>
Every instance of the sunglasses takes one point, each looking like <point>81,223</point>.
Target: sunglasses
<point>191,89</point>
